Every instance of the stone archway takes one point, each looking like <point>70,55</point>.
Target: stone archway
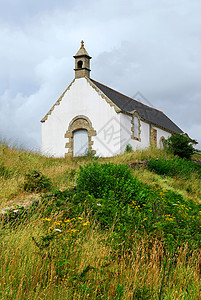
<point>77,123</point>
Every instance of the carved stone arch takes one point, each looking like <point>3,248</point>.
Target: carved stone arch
<point>79,122</point>
<point>133,135</point>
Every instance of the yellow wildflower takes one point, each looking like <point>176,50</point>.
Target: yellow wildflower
<point>86,223</point>
<point>57,223</point>
<point>74,230</point>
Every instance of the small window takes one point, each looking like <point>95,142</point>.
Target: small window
<point>136,127</point>
<point>79,64</point>
<point>162,142</point>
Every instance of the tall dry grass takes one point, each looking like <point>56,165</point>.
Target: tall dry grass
<point>145,272</point>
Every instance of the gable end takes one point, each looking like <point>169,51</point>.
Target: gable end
<point>108,100</point>
<point>57,102</point>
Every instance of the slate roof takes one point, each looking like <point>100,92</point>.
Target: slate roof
<point>127,104</point>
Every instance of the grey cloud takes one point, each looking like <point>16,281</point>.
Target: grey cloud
<point>21,11</point>
<point>148,46</point>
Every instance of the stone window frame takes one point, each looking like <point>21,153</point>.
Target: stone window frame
<point>153,136</point>
<point>136,114</point>
<point>79,122</point>
<point>162,139</point>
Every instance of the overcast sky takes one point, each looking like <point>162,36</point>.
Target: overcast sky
<point>147,46</point>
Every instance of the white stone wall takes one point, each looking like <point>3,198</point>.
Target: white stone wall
<point>82,99</point>
<point>125,131</point>
<point>126,134</point>
<point>160,133</point>
<point>145,135</point>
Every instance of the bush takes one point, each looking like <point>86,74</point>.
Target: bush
<point>128,148</point>
<point>174,166</point>
<point>35,181</point>
<point>100,180</point>
<point>111,197</point>
<point>91,154</point>
<point>154,212</point>
<point>117,199</point>
<point>181,145</point>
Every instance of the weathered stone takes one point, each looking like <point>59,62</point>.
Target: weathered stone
<point>138,164</point>
<point>11,210</point>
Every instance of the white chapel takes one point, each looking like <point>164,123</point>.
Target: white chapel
<point>92,117</point>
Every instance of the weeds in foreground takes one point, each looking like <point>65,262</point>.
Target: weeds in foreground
<point>79,263</point>
<point>142,243</point>
<point>35,181</point>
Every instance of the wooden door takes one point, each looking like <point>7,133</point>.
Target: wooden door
<point>80,142</point>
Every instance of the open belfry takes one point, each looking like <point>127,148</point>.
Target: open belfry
<point>82,62</point>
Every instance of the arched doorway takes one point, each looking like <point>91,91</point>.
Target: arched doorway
<point>79,133</point>
<point>80,142</point>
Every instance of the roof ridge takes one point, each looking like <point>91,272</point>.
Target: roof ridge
<point>127,96</point>
<point>103,95</point>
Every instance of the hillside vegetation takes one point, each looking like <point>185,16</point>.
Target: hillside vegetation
<point>104,228</point>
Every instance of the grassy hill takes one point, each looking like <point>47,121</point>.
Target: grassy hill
<point>110,230</point>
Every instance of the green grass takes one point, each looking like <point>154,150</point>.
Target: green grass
<point>127,241</point>
<point>175,167</point>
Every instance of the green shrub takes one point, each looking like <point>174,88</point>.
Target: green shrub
<point>100,179</point>
<point>152,212</point>
<point>111,197</point>
<point>35,181</point>
<point>180,145</point>
<point>174,166</point>
<point>91,154</point>
<point>128,148</point>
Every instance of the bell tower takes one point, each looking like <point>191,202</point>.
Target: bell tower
<point>82,62</point>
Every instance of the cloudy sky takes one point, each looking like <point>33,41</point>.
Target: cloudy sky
<point>151,47</point>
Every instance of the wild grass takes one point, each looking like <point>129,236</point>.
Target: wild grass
<point>189,188</point>
<point>139,155</point>
<point>93,269</point>
<point>87,261</point>
<point>17,163</point>
<point>63,171</point>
